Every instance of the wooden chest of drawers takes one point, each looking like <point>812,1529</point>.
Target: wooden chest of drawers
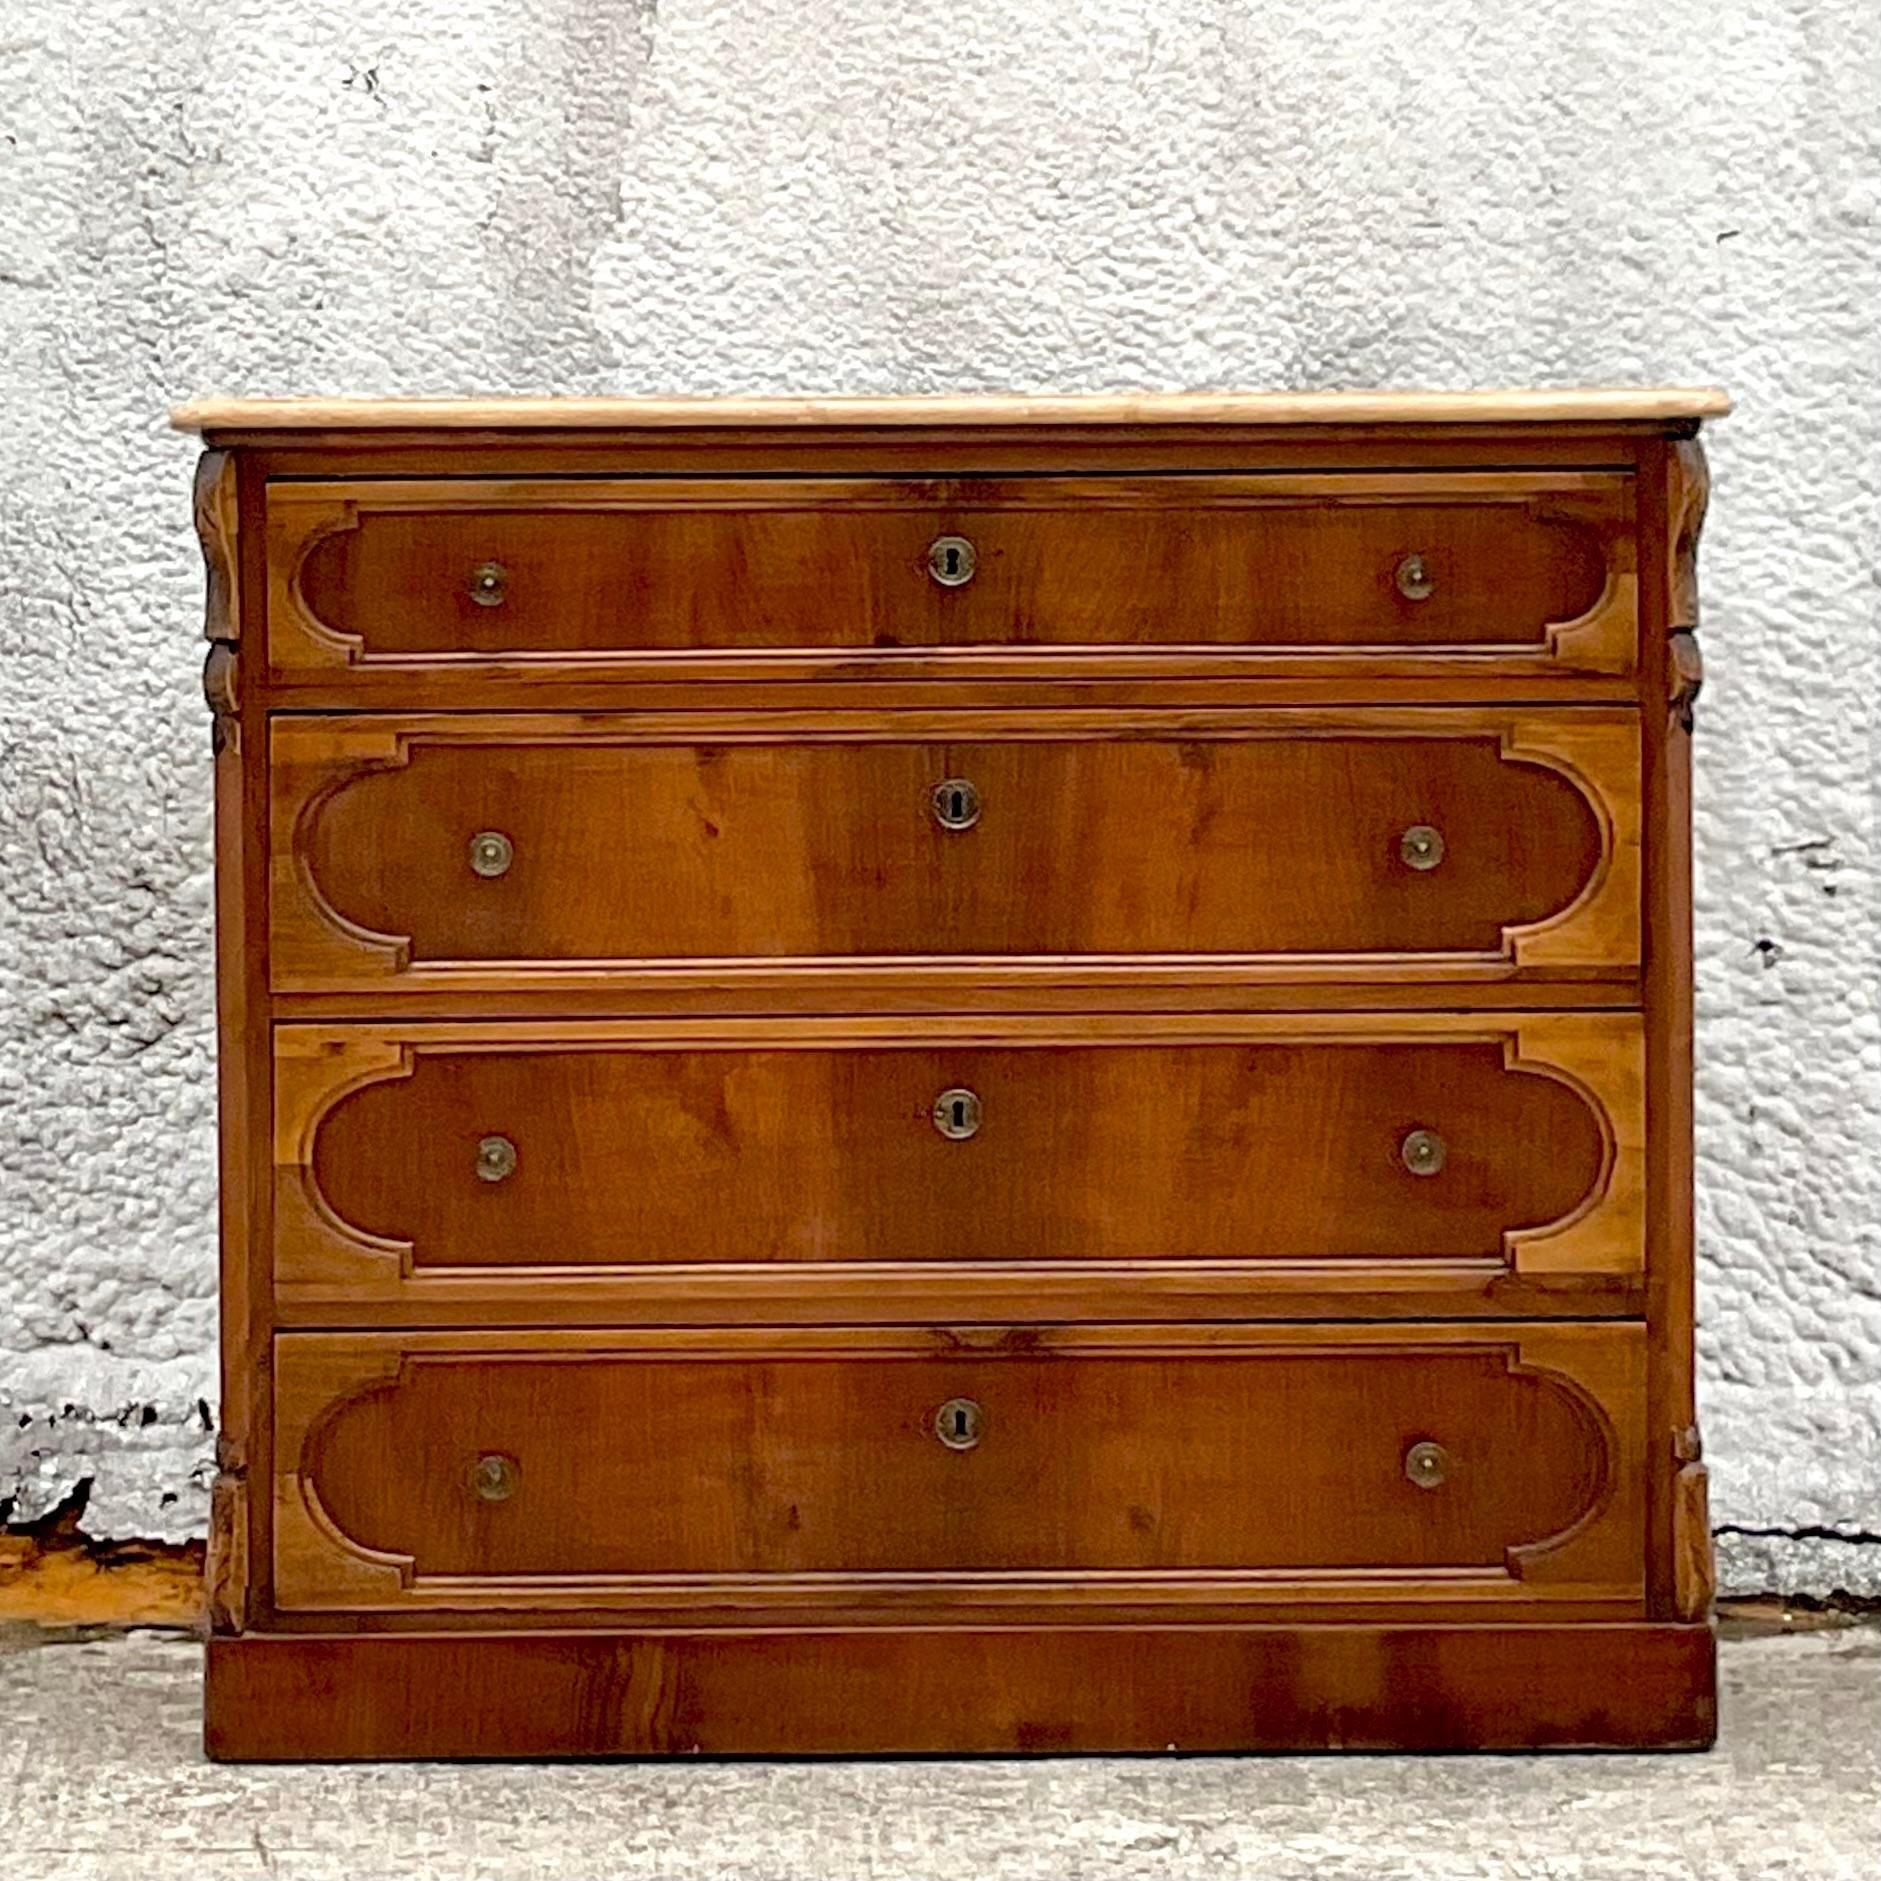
<point>955,1076</point>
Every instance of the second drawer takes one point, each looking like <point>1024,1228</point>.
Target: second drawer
<point>509,854</point>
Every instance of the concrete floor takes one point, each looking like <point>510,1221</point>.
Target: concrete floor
<point>101,1776</point>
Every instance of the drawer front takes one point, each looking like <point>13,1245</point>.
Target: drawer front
<point>469,581</point>
<point>515,1165</point>
<point>498,852</point>
<point>1139,1465</point>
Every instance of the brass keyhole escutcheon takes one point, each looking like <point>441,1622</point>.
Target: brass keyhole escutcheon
<point>1421,847</point>
<point>1426,1464</point>
<point>491,853</point>
<point>956,803</point>
<point>957,1114</point>
<point>495,1476</point>
<point>1414,579</point>
<point>951,561</point>
<point>960,1423</point>
<point>496,1158</point>
<point>489,584</point>
<point>1423,1152</point>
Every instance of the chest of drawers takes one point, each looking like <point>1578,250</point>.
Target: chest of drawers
<point>974,1075</point>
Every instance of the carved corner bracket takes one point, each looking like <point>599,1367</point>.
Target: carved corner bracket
<point>215,513</point>
<point>1688,498</point>
<point>225,1565</point>
<point>1694,1571</point>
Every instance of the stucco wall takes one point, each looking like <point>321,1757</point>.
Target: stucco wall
<point>565,195</point>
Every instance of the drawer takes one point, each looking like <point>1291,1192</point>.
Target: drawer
<point>1145,1465</point>
<point>859,1167</point>
<point>497,852</point>
<point>470,581</point>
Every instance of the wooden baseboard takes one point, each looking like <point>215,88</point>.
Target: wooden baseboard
<point>959,1690</point>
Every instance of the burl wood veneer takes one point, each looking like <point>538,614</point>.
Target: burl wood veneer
<point>955,1075</point>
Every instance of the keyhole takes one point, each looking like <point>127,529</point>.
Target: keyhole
<point>951,560</point>
<point>960,1423</point>
<point>955,803</point>
<point>957,1113</point>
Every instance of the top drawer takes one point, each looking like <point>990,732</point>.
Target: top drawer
<point>1456,577</point>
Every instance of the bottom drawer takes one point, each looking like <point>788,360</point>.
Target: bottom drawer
<point>717,1474</point>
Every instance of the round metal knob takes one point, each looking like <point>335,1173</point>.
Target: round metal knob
<point>1427,1464</point>
<point>956,1114</point>
<point>1423,1152</point>
<point>960,1423</point>
<point>496,1158</point>
<point>951,561</point>
<point>1421,847</point>
<point>1414,579</point>
<point>489,584</point>
<point>956,804</point>
<point>491,853</point>
<point>494,1476</point>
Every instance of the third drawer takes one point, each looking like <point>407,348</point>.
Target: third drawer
<point>863,1168</point>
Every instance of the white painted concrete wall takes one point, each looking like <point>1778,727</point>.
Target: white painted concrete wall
<point>870,195</point>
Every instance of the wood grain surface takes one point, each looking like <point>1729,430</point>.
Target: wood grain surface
<point>485,582</point>
<point>576,788</point>
<point>1268,839</point>
<point>1524,405</point>
<point>735,1471</point>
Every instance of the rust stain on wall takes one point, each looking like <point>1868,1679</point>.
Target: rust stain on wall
<point>52,1574</point>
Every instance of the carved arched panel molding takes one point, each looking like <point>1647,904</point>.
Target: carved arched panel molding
<point>325,939</point>
<point>1539,1497</point>
<point>324,1261</point>
<point>1509,554</point>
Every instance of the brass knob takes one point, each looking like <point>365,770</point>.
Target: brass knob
<point>489,584</point>
<point>1423,1152</point>
<point>496,1158</point>
<point>494,1476</point>
<point>955,803</point>
<point>1414,579</point>
<point>1427,1464</point>
<point>960,1423</point>
<point>1421,847</point>
<point>491,853</point>
<point>956,1114</point>
<point>951,561</point>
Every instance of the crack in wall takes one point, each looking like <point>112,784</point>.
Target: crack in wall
<point>1858,1537</point>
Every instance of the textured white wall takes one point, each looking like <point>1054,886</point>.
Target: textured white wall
<point>700,195</point>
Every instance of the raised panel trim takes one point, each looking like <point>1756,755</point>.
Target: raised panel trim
<point>1598,1558</point>
<point>1603,640</point>
<point>322,1260</point>
<point>315,949</point>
